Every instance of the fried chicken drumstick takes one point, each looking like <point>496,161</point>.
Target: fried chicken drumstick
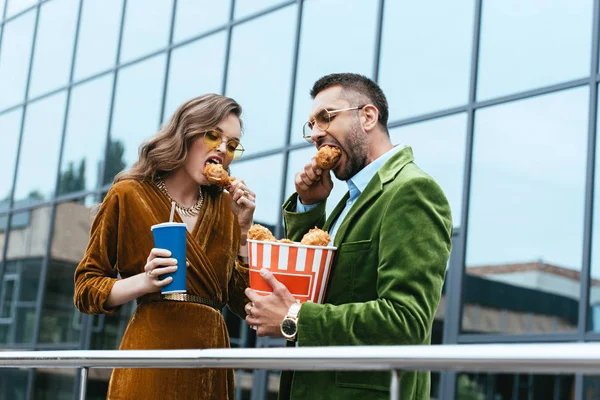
<point>327,157</point>
<point>216,175</point>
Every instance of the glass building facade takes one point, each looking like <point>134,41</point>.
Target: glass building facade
<point>498,100</point>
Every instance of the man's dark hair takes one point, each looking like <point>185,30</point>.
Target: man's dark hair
<point>353,85</point>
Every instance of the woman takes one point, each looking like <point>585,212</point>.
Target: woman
<point>120,263</point>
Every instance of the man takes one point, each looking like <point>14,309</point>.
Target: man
<point>392,231</point>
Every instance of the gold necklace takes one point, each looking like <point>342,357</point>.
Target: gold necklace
<point>187,211</point>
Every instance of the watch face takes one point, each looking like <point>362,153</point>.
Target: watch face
<point>288,327</point>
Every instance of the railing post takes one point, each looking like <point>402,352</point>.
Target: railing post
<point>83,383</point>
<point>395,385</point>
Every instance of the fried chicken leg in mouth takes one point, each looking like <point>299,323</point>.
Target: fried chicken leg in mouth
<point>216,175</point>
<point>327,157</point>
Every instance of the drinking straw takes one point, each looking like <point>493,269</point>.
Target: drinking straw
<point>172,211</point>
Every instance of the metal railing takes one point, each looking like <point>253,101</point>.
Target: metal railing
<point>508,358</point>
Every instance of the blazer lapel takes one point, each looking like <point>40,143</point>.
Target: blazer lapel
<point>387,172</point>
<point>336,212</point>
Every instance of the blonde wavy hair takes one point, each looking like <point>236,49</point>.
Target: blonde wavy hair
<point>168,150</point>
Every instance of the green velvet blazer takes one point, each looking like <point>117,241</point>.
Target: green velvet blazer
<point>386,280</point>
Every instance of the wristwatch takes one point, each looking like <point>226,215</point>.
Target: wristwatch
<point>289,325</point>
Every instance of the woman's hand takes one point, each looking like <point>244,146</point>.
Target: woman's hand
<point>242,203</point>
<point>158,264</point>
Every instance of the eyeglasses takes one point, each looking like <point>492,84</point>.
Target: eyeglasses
<point>234,148</point>
<point>323,119</point>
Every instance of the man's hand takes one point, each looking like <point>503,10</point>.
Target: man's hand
<point>265,313</point>
<point>313,184</point>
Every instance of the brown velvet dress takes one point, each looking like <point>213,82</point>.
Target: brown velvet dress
<point>120,242</point>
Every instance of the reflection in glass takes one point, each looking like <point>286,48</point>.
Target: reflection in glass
<point>243,8</point>
<point>3,230</point>
<point>594,293</point>
<point>98,36</point>
<point>15,6</point>
<point>422,70</point>
<point>13,383</point>
<point>524,386</point>
<point>53,46</point>
<point>298,159</point>
<point>36,175</point>
<point>526,215</point>
<point>186,80</point>
<point>250,78</point>
<point>27,241</point>
<point>10,125</point>
<point>86,135</point>
<point>197,16</point>
<point>591,387</point>
<point>439,148</point>
<point>352,52</point>
<point>147,25</point>
<point>136,113</point>
<point>61,322</point>
<point>108,330</point>
<point>14,63</point>
<point>528,44</point>
<point>54,383</point>
<point>263,177</point>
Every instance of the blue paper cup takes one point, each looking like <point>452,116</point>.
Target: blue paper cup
<point>172,236</point>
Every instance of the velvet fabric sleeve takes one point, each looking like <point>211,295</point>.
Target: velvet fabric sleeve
<point>96,273</point>
<point>298,223</point>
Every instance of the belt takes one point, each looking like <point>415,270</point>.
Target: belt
<point>184,297</point>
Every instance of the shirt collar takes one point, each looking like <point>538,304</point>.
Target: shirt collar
<point>360,181</point>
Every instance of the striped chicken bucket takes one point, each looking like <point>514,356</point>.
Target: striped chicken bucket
<point>303,269</point>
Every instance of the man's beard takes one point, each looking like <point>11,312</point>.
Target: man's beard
<point>356,149</point>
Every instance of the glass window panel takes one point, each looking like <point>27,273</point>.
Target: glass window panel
<point>243,8</point>
<point>98,36</point>
<point>142,85</point>
<point>439,148</point>
<point>594,302</point>
<point>108,330</point>
<point>2,4</point>
<point>529,44</point>
<point>10,125</point>
<point>526,215</point>
<point>15,6</point>
<point>262,53</point>
<point>85,138</point>
<point>265,182</point>
<point>327,50</point>
<point>13,383</point>
<point>54,384</point>
<point>3,230</point>
<point>426,56</point>
<point>27,242</point>
<point>196,16</point>
<point>7,294</point>
<point>61,322</point>
<point>54,46</point>
<point>14,60</point>
<point>298,159</point>
<point>524,386</point>
<point>147,25</point>
<point>591,387</point>
<point>185,80</point>
<point>36,175</point>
